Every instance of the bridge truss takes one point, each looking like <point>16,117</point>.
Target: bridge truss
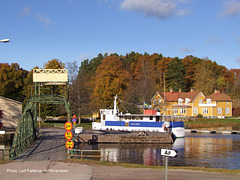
<point>27,131</point>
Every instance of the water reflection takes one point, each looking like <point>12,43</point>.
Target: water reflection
<point>205,150</point>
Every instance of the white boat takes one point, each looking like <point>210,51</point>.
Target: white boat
<point>151,120</point>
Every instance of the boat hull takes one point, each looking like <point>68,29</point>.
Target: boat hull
<point>175,127</point>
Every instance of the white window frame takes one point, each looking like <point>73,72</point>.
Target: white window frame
<point>175,110</point>
<point>187,100</point>
<point>180,101</point>
<point>205,111</point>
<point>219,110</point>
<point>208,101</point>
<point>195,110</point>
<point>200,101</point>
<point>182,110</point>
<point>227,110</point>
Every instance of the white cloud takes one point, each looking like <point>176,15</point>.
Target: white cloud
<point>40,17</point>
<point>215,40</point>
<point>25,11</point>
<point>161,9</point>
<point>230,8</point>
<point>44,19</point>
<point>187,50</point>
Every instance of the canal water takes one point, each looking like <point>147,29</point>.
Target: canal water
<point>202,150</point>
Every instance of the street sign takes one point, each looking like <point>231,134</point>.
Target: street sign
<point>69,144</point>
<point>74,120</point>
<point>68,126</point>
<point>168,152</point>
<point>68,135</point>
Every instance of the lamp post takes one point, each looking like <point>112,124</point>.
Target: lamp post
<point>4,40</point>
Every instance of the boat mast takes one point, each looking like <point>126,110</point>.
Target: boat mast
<point>164,95</point>
<point>115,105</point>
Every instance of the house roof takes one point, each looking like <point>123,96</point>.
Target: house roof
<point>218,97</point>
<point>174,96</point>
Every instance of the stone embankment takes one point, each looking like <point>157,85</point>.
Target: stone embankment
<point>123,137</point>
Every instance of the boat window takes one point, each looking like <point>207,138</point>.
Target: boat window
<point>151,118</point>
<point>104,117</point>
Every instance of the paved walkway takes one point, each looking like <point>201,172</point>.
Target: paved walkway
<point>50,146</point>
<point>31,170</point>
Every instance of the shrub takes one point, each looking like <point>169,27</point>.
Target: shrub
<point>199,116</point>
<point>236,111</point>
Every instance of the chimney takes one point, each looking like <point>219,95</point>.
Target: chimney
<point>192,90</point>
<point>171,90</point>
<point>180,90</point>
<point>215,91</point>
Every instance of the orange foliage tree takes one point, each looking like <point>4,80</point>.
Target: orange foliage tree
<point>110,79</point>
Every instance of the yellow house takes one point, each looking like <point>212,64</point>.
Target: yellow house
<point>192,103</point>
<point>178,103</point>
<point>216,105</point>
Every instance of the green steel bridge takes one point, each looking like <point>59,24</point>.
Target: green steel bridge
<point>27,132</point>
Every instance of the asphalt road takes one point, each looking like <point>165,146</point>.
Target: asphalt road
<point>37,170</point>
<point>50,146</point>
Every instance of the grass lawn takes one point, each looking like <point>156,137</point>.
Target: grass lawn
<point>213,122</point>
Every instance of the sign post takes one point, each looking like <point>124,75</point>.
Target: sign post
<point>68,126</point>
<point>69,144</point>
<point>168,153</point>
<point>74,120</point>
<point>68,135</point>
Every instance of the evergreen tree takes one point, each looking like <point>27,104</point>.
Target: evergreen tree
<point>175,75</point>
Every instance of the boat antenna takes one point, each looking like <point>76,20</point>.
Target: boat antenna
<point>115,105</point>
<point>164,95</point>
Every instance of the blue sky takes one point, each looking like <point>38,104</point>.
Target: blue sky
<point>74,30</point>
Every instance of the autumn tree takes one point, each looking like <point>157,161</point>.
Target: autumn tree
<point>52,109</point>
<point>28,87</point>
<point>204,78</point>
<point>110,79</point>
<point>54,64</point>
<point>162,66</point>
<point>12,81</point>
<point>142,83</point>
